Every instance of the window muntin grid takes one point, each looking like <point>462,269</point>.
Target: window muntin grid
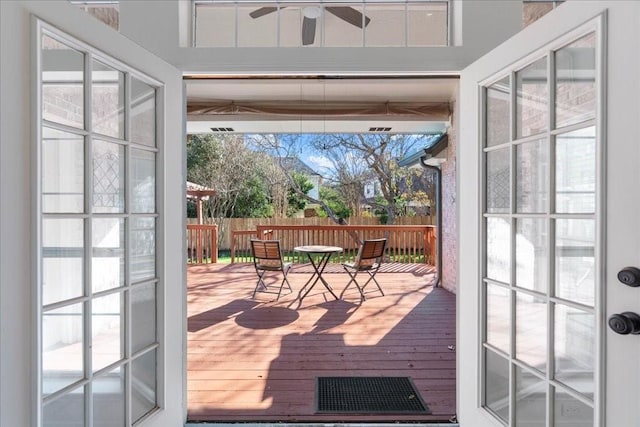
<point>540,270</point>
<point>97,118</point>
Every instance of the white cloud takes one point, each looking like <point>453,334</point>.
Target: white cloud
<point>319,163</point>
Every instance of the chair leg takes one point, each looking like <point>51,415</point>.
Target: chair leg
<point>372,278</point>
<point>259,284</point>
<point>355,282</point>
<point>284,280</point>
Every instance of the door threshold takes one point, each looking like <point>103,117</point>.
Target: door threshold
<point>294,424</point>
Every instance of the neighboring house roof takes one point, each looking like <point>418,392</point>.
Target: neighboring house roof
<point>434,145</point>
<point>297,165</point>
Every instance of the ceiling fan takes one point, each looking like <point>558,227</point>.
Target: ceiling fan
<point>312,13</point>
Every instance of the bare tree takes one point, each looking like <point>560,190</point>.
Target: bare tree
<point>349,176</point>
<point>282,147</point>
<point>380,153</point>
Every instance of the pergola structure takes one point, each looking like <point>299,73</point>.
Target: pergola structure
<point>199,193</point>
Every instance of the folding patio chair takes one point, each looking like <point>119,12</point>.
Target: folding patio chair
<point>369,259</point>
<point>268,257</point>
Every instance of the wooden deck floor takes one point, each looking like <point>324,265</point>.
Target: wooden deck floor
<point>257,360</point>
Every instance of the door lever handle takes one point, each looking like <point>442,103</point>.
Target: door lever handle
<point>625,323</point>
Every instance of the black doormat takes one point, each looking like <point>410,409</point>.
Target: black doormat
<point>368,395</point>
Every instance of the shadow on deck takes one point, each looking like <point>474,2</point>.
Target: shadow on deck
<point>257,360</point>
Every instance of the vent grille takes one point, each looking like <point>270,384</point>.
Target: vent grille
<point>222,129</point>
<point>379,129</point>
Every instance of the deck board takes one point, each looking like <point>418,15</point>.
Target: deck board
<point>257,359</point>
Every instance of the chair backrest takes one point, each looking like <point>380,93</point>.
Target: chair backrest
<point>370,252</point>
<point>266,252</point>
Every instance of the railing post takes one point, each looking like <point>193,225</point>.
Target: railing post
<point>233,246</point>
<point>214,244</point>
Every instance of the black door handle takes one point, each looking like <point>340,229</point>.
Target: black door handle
<point>625,323</point>
<point>630,276</point>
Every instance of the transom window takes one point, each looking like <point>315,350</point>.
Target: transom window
<point>285,23</point>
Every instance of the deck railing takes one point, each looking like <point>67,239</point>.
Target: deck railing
<point>202,244</point>
<point>406,243</point>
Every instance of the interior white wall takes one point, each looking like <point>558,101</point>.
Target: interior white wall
<point>17,260</point>
<point>623,177</point>
<point>485,24</point>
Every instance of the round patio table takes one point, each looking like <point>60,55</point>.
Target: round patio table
<point>318,264</point>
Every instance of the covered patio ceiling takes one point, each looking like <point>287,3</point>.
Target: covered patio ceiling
<point>312,104</point>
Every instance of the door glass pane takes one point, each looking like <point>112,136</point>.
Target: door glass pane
<point>497,384</point>
<point>62,259</point>
<point>108,399</point>
<point>570,412</point>
<point>575,260</point>
<point>143,113</point>
<point>107,330</point>
<point>143,181</point>
<point>532,177</point>
<point>576,171</point>
<point>143,316</point>
<point>498,181</point>
<point>143,385</point>
<point>107,94</point>
<point>62,348</point>
<point>108,177</point>
<point>532,254</point>
<point>498,317</point>
<point>575,348</point>
<point>62,83</point>
<point>498,249</point>
<point>531,330</point>
<point>498,113</point>
<point>576,81</point>
<point>62,172</point>
<point>107,262</point>
<point>67,410</point>
<point>532,99</point>
<point>143,249</point>
<point>531,399</point>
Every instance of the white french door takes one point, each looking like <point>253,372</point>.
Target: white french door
<point>108,157</point>
<point>546,226</point>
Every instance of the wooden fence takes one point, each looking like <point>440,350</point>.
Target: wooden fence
<point>406,243</point>
<point>227,225</point>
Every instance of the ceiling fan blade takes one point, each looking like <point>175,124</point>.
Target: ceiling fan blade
<point>263,11</point>
<point>308,31</point>
<point>348,14</point>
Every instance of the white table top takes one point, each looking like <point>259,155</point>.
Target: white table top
<point>317,249</point>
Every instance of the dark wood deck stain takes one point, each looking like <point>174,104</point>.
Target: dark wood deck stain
<point>257,360</point>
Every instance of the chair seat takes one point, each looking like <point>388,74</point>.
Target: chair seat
<point>284,266</point>
<point>352,265</point>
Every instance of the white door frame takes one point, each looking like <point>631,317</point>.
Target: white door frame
<point>620,373</point>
